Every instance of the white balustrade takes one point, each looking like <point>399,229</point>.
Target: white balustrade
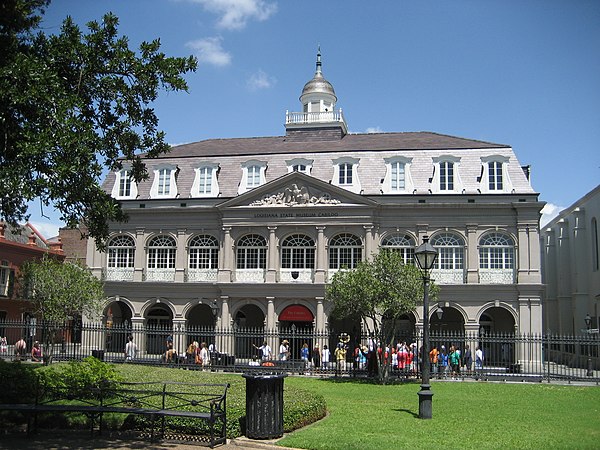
<point>301,275</point>
<point>314,117</point>
<point>448,276</point>
<point>496,276</point>
<point>201,275</point>
<point>160,275</point>
<point>250,275</point>
<point>118,274</point>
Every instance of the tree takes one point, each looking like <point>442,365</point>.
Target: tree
<point>71,105</point>
<point>379,292</point>
<point>58,292</point>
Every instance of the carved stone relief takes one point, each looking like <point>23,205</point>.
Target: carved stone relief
<point>295,196</point>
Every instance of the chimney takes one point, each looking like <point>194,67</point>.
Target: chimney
<point>32,240</point>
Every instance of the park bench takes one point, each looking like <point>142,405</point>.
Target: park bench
<point>156,401</point>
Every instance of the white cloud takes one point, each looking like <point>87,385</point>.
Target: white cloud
<point>235,14</point>
<point>549,212</point>
<point>373,130</point>
<point>210,51</point>
<point>260,80</point>
<point>47,229</point>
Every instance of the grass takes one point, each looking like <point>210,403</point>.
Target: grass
<point>465,415</point>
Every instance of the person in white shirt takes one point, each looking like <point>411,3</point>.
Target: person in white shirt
<point>284,350</point>
<point>325,355</point>
<point>265,351</point>
<point>130,349</point>
<point>478,359</point>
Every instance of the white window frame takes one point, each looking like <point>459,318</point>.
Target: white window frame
<point>402,243</point>
<point>293,164</point>
<point>298,252</point>
<point>352,163</point>
<point>391,164</point>
<point>162,252</point>
<point>343,248</point>
<point>203,252</point>
<point>4,278</point>
<point>485,174</point>
<point>119,255</point>
<point>496,252</point>
<point>207,170</point>
<point>123,177</point>
<point>252,166</point>
<point>251,252</point>
<point>164,175</point>
<point>437,186</point>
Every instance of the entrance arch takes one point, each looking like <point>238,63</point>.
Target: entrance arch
<point>447,330</point>
<point>159,323</point>
<point>349,325</point>
<point>296,325</point>
<point>248,329</point>
<point>496,336</point>
<point>201,325</point>
<point>117,319</point>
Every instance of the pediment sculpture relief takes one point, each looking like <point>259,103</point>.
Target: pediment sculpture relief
<point>294,196</point>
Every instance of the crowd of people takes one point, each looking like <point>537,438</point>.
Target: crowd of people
<point>20,350</point>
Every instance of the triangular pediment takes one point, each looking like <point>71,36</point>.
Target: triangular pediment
<point>296,189</point>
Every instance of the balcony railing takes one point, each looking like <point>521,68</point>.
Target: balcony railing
<point>250,275</point>
<point>448,276</point>
<point>301,118</point>
<point>118,273</point>
<point>296,275</point>
<point>496,276</point>
<point>159,275</point>
<point>201,275</point>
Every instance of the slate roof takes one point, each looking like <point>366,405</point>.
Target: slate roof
<point>422,140</point>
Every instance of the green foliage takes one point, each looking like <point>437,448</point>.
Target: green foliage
<point>58,291</point>
<point>71,105</point>
<point>19,382</point>
<point>79,378</point>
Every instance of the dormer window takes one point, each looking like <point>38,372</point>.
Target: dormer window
<point>397,176</point>
<point>299,165</point>
<point>253,175</point>
<point>205,181</point>
<point>165,184</point>
<point>124,187</point>
<point>345,174</point>
<point>446,178</point>
<point>494,174</point>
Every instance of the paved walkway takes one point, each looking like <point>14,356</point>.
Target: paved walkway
<point>68,440</point>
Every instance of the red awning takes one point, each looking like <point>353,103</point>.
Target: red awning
<point>296,313</point>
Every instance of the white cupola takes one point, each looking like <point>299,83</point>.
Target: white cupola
<point>318,108</point>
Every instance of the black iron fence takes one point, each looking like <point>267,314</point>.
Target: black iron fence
<point>504,356</point>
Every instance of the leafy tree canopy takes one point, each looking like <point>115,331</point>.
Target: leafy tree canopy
<point>60,291</point>
<point>384,288</point>
<point>71,105</point>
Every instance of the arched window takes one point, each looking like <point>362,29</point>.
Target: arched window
<point>496,251</point>
<point>345,251</point>
<point>203,252</point>
<point>298,252</point>
<point>251,252</point>
<point>121,252</point>
<point>401,243</point>
<point>161,252</point>
<point>450,249</point>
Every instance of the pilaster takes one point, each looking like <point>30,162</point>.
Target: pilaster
<point>472,262</point>
<point>140,254</point>
<point>180,255</point>
<point>321,256</point>
<point>226,269</point>
<point>272,256</point>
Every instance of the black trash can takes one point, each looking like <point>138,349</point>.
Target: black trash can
<point>98,354</point>
<point>264,405</point>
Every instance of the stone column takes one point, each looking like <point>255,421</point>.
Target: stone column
<point>140,254</point>
<point>225,339</point>
<point>551,307</point>
<point>226,269</point>
<point>368,242</point>
<point>565,317</point>
<point>472,256</point>
<point>321,256</point>
<point>181,255</point>
<point>272,256</point>
<point>581,269</point>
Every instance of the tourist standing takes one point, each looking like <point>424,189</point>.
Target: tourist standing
<point>130,349</point>
<point>325,355</point>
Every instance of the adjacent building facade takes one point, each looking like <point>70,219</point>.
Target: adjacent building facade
<point>572,268</point>
<point>247,232</point>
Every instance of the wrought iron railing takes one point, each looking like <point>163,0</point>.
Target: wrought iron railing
<point>505,356</point>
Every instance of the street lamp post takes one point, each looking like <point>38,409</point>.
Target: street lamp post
<point>588,325</point>
<point>425,255</point>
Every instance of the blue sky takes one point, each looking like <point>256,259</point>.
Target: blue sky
<point>522,73</point>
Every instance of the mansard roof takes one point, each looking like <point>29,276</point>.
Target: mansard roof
<point>423,140</point>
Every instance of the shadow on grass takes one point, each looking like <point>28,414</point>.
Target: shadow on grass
<point>407,411</point>
<point>374,381</point>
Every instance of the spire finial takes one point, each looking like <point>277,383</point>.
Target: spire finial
<point>318,60</point>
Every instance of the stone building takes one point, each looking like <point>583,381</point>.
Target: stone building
<point>571,267</point>
<point>247,232</point>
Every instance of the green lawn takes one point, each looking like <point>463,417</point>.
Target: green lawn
<point>465,415</point>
